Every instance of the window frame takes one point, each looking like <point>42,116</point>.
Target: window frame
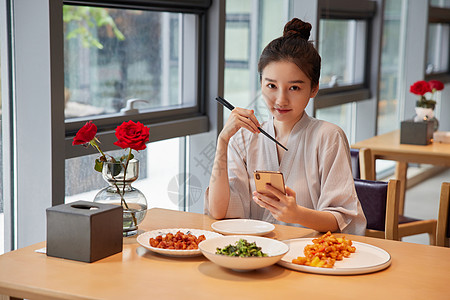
<point>439,15</point>
<point>165,124</point>
<point>35,120</point>
<point>352,10</point>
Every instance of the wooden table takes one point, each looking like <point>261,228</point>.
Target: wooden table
<point>387,146</point>
<point>417,272</point>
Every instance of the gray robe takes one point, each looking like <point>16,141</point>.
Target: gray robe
<point>317,167</point>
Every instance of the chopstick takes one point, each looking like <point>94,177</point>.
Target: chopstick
<point>231,107</point>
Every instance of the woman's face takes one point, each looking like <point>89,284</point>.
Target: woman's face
<point>286,90</point>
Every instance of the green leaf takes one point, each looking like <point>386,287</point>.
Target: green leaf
<point>115,169</point>
<point>98,165</point>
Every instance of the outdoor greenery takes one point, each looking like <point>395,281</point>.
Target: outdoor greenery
<point>87,18</point>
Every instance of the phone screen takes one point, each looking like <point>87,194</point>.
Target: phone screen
<point>274,178</point>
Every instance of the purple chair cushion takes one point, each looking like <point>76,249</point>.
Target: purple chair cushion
<point>354,158</point>
<point>373,196</point>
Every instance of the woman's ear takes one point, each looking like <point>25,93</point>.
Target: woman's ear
<point>314,91</point>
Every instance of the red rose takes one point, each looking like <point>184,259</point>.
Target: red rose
<point>436,85</point>
<point>132,135</point>
<point>85,134</point>
<point>420,88</point>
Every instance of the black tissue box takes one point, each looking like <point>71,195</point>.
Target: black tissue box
<point>416,133</point>
<point>84,231</point>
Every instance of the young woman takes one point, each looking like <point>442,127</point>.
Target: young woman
<point>320,192</point>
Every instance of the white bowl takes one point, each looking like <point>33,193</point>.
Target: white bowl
<point>273,248</point>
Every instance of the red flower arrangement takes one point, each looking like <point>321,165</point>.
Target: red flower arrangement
<point>129,135</point>
<point>423,88</point>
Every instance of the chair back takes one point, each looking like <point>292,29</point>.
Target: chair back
<point>443,224</point>
<point>373,196</point>
<point>354,158</point>
<point>379,201</point>
<point>363,164</point>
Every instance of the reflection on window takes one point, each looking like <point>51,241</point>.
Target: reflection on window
<point>112,55</point>
<point>237,29</point>
<point>243,47</point>
<point>440,3</point>
<point>341,115</point>
<point>159,175</point>
<point>437,48</point>
<point>388,118</point>
<point>342,47</point>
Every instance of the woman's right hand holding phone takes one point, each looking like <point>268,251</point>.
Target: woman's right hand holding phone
<point>239,118</point>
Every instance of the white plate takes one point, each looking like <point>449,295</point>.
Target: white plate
<point>273,248</point>
<point>366,259</point>
<point>144,240</point>
<point>243,226</point>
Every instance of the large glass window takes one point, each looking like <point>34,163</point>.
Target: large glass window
<point>250,25</point>
<point>391,64</point>
<point>343,50</point>
<point>161,175</point>
<point>341,115</point>
<point>113,55</point>
<point>348,63</point>
<point>438,49</point>
<point>125,62</point>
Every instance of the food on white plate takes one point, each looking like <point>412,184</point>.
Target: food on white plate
<point>177,241</point>
<point>324,251</point>
<point>241,248</point>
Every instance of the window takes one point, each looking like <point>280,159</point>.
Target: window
<point>438,55</point>
<point>138,62</point>
<point>161,175</point>
<point>250,25</point>
<point>341,115</point>
<point>391,64</point>
<point>37,61</point>
<point>347,29</point>
<point>149,53</point>
<point>112,55</point>
<point>343,50</point>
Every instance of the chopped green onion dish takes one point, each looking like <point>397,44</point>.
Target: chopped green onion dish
<point>242,248</point>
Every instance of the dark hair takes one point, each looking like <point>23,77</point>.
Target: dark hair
<point>294,47</point>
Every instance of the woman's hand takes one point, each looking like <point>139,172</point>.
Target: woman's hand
<point>283,207</point>
<point>239,118</point>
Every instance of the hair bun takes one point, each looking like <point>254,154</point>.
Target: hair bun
<point>297,27</point>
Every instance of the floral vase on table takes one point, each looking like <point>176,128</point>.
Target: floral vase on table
<point>120,176</point>
<point>427,102</point>
<point>120,172</point>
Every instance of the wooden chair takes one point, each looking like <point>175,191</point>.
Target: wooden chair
<point>362,164</point>
<point>379,201</point>
<point>407,226</point>
<point>443,223</point>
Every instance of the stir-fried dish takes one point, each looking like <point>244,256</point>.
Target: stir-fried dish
<point>324,251</point>
<point>241,248</point>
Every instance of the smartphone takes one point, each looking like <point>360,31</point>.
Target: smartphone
<point>274,178</point>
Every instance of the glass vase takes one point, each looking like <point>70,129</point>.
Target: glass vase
<point>119,191</point>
